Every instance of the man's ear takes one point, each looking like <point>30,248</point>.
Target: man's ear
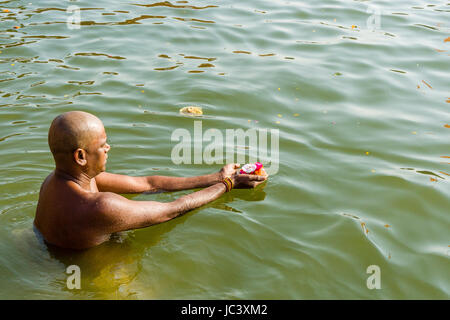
<point>80,157</point>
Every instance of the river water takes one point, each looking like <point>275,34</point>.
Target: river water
<point>358,92</point>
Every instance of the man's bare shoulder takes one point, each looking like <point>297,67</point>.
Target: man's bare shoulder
<point>107,203</point>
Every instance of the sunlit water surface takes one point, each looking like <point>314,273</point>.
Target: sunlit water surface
<point>359,91</point>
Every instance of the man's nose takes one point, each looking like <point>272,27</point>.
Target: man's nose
<point>108,147</point>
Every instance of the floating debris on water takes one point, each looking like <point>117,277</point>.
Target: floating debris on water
<point>192,110</point>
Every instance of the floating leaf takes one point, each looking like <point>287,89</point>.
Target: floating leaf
<point>296,114</point>
<point>367,153</point>
<point>353,27</point>
<point>5,10</point>
<point>387,226</point>
<point>446,125</point>
<point>447,40</point>
<point>433,180</point>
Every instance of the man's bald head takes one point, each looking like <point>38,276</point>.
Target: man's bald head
<point>72,130</point>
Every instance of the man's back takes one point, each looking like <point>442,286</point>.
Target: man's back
<point>65,213</point>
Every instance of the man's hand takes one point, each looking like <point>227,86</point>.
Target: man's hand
<point>241,181</point>
<point>246,181</point>
<point>228,170</point>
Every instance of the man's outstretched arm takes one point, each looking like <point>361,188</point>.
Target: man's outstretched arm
<point>115,213</point>
<point>117,183</point>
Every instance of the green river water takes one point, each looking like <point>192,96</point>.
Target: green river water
<point>359,93</point>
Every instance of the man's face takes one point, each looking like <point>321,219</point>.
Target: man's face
<point>98,153</point>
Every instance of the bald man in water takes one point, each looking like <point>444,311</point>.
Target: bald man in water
<point>79,203</point>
